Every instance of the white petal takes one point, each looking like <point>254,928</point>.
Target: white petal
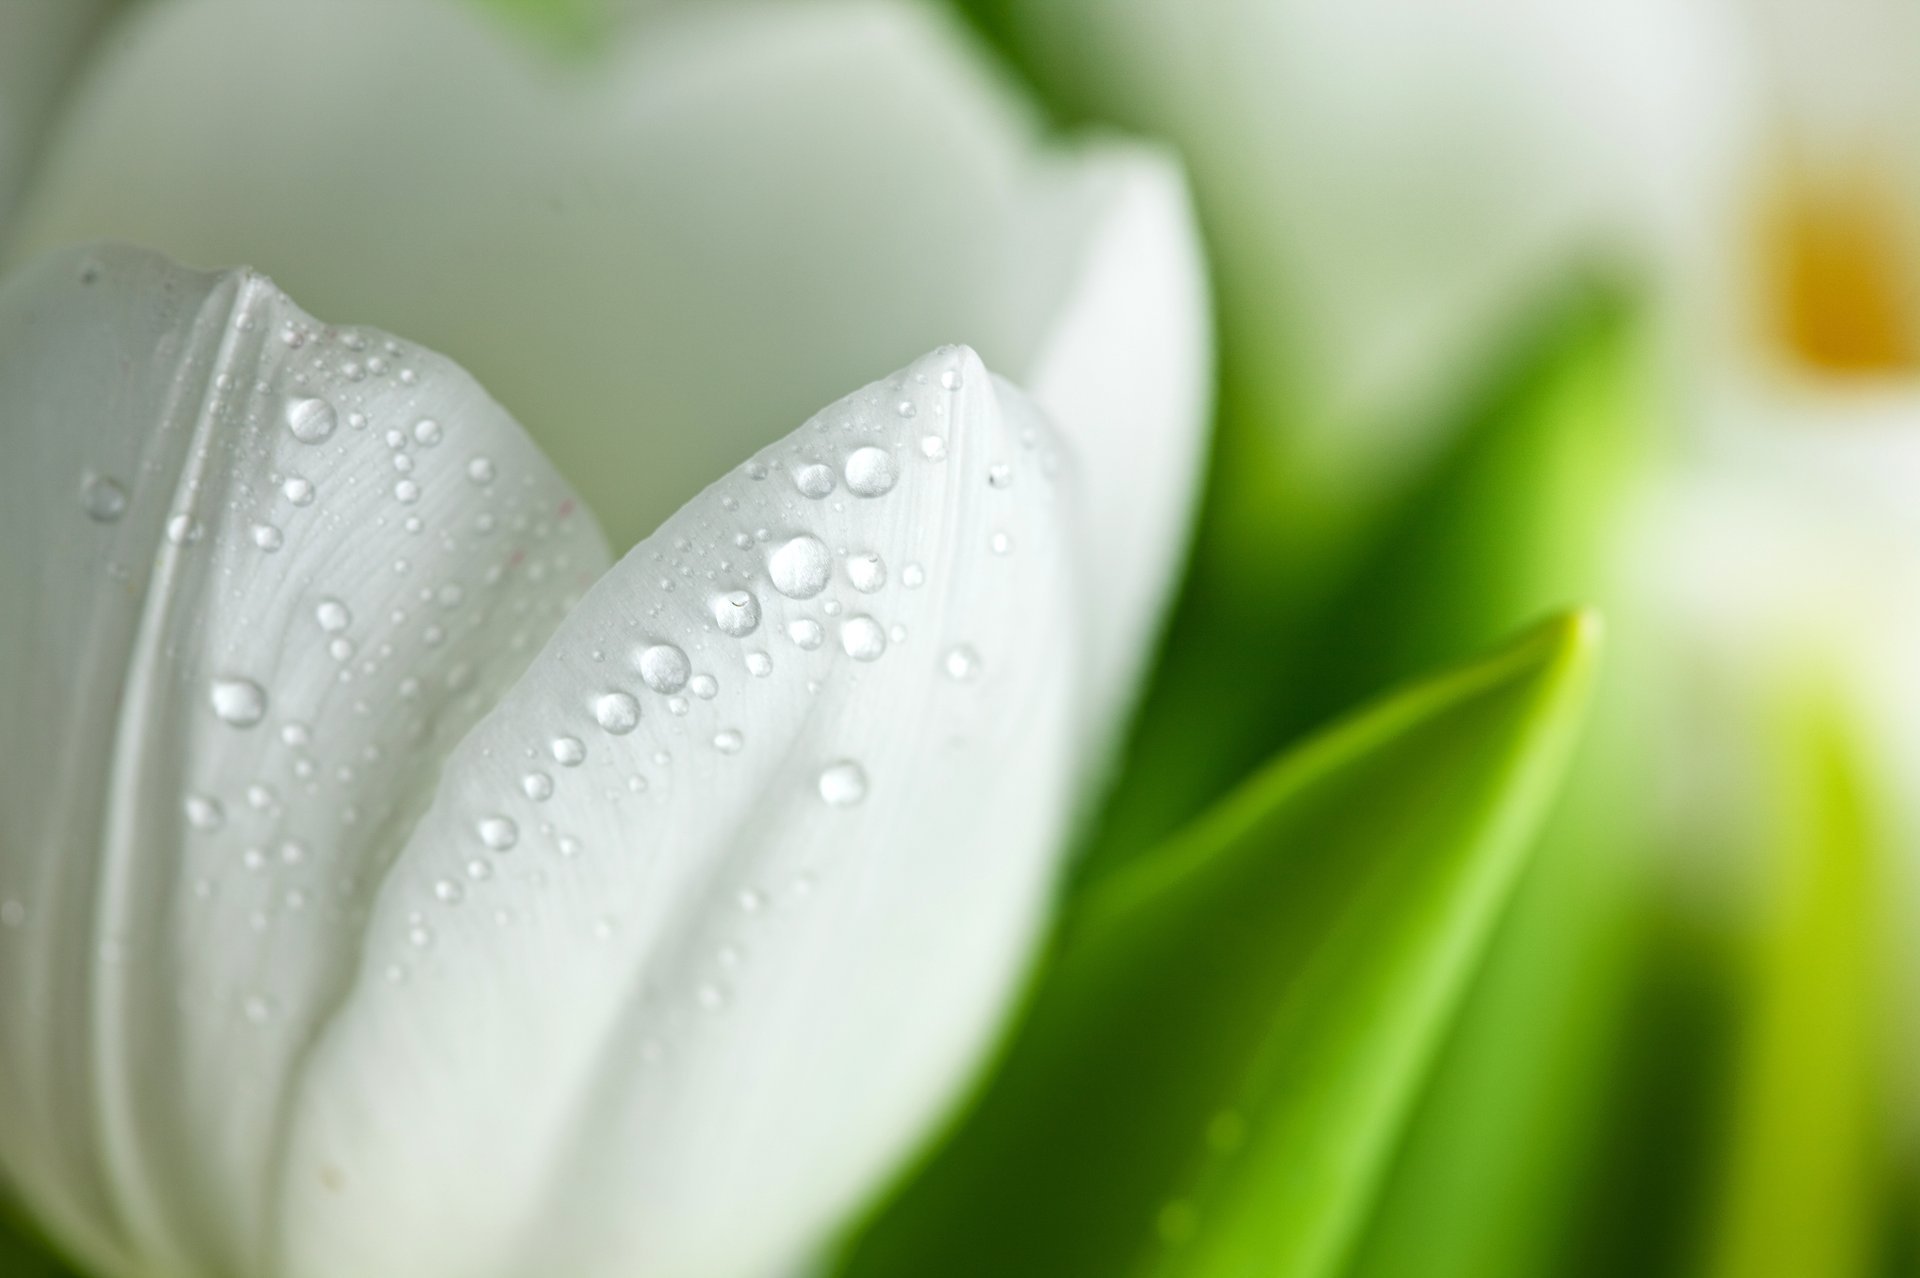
<point>1390,185</point>
<point>232,665</point>
<point>39,42</point>
<point>742,952</point>
<point>834,187</point>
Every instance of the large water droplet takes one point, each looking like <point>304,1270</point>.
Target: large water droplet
<point>814,481</point>
<point>736,612</point>
<point>663,667</point>
<point>103,499</point>
<point>240,702</point>
<point>870,472</point>
<point>863,638</point>
<point>801,567</point>
<point>617,712</point>
<point>498,832</point>
<point>311,419</point>
<point>843,784</point>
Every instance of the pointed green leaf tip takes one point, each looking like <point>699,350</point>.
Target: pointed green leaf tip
<point>1221,1047</point>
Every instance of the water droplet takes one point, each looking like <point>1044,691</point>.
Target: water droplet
<point>870,472</point>
<point>814,481</point>
<point>182,529</point>
<point>617,712</point>
<point>332,615</point>
<point>728,741</point>
<point>103,499</point>
<point>806,633</point>
<point>759,664</point>
<point>406,492</point>
<point>843,784</point>
<point>568,752</point>
<point>537,786</point>
<point>906,408</point>
<point>863,638</point>
<point>951,379</point>
<point>704,686</point>
<point>203,812</point>
<point>298,491</point>
<point>999,475</point>
<point>240,702</point>
<point>426,432</point>
<point>1001,544</point>
<point>498,832</point>
<point>736,612</point>
<point>257,1008</point>
<point>480,470</point>
<point>268,538</point>
<point>867,572</point>
<point>962,663</point>
<point>913,576</point>
<point>311,419</point>
<point>933,448</point>
<point>801,567</point>
<point>663,667</point>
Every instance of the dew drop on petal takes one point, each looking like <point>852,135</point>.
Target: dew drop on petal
<point>537,786</point>
<point>814,481</point>
<point>728,741</point>
<point>568,752</point>
<point>332,615</point>
<point>103,499</point>
<point>961,663</point>
<point>869,472</point>
<point>240,702</point>
<point>867,572</point>
<point>843,784</point>
<point>203,812</point>
<point>759,664</point>
<point>426,432</point>
<point>480,470</point>
<point>663,667</point>
<point>806,633</point>
<point>311,419</point>
<point>736,612</point>
<point>498,832</point>
<point>801,567</point>
<point>862,638</point>
<point>617,712</point>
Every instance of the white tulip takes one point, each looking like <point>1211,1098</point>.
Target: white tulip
<point>391,882</point>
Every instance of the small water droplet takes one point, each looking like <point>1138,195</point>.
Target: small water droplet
<point>537,786</point>
<point>814,481</point>
<point>332,615</point>
<point>951,379</point>
<point>703,686</point>
<point>728,741</point>
<point>933,448</point>
<point>843,783</point>
<point>480,470</point>
<point>801,567</point>
<point>962,663</point>
<point>103,499</point>
<point>870,472</point>
<point>1000,475</point>
<point>498,832</point>
<point>240,702</point>
<point>866,571</point>
<point>806,633</point>
<point>182,529</point>
<point>913,576</point>
<point>268,538</point>
<point>1001,544</point>
<point>906,408</point>
<point>759,664</point>
<point>406,492</point>
<point>311,419</point>
<point>298,491</point>
<point>617,712</point>
<point>663,667</point>
<point>862,638</point>
<point>568,752</point>
<point>447,892</point>
<point>736,612</point>
<point>426,432</point>
<point>203,812</point>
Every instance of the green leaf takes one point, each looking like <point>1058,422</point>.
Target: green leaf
<point>1221,1048</point>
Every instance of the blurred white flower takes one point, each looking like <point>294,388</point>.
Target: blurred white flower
<point>391,881</point>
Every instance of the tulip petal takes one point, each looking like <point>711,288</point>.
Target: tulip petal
<point>761,841</point>
<point>835,187</point>
<point>261,573</point>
